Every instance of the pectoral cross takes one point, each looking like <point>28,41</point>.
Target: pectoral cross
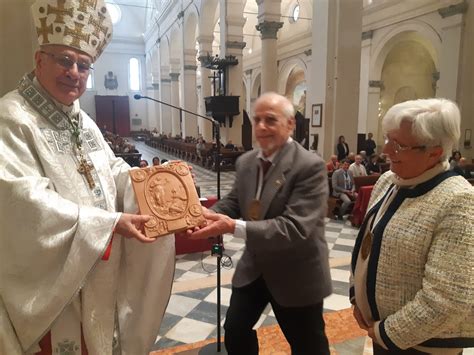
<point>85,168</point>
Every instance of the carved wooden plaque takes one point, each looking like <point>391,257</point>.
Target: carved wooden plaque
<point>167,193</point>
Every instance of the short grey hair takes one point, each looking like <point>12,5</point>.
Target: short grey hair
<point>287,107</point>
<point>435,122</point>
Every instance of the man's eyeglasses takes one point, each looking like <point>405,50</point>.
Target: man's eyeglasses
<point>397,148</point>
<point>67,63</point>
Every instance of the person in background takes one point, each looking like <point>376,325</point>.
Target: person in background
<point>342,148</point>
<point>454,159</point>
<point>373,167</point>
<point>343,187</point>
<point>156,161</point>
<point>163,161</point>
<point>71,245</point>
<point>280,192</point>
<point>461,168</point>
<point>229,145</point>
<point>332,164</point>
<point>357,168</point>
<point>412,283</point>
<point>143,163</point>
<point>370,145</point>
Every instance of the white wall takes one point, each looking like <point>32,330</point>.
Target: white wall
<point>116,59</point>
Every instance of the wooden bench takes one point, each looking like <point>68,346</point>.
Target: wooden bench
<point>365,181</point>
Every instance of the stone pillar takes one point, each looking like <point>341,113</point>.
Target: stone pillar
<point>374,113</point>
<point>269,65</point>
<point>363,120</point>
<point>165,111</point>
<point>248,98</point>
<point>189,96</point>
<point>450,50</point>
<point>205,126</point>
<point>175,116</point>
<point>336,26</point>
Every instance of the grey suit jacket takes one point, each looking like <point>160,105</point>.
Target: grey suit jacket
<point>287,247</point>
<point>338,183</point>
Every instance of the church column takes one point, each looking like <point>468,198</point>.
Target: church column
<point>364,118</point>
<point>336,26</point>
<point>175,117</point>
<point>374,112</point>
<point>189,96</point>
<point>205,126</point>
<point>248,98</point>
<point>233,46</point>
<point>450,50</point>
<point>268,25</point>
<point>165,111</point>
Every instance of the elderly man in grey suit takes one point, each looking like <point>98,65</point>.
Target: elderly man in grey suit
<point>343,186</point>
<point>280,192</point>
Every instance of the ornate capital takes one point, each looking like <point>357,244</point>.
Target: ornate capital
<point>248,72</point>
<point>269,29</point>
<point>376,84</point>
<point>165,80</point>
<point>174,76</point>
<point>452,10</point>
<point>235,44</point>
<point>308,52</point>
<point>155,86</point>
<point>367,34</point>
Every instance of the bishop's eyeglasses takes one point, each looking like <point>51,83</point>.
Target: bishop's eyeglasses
<point>67,62</point>
<point>397,148</point>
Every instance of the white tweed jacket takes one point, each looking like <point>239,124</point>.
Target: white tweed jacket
<point>420,276</point>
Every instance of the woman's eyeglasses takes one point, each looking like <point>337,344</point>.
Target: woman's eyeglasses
<point>67,63</point>
<point>397,148</point>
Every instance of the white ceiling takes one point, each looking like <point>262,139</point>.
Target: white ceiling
<point>132,24</point>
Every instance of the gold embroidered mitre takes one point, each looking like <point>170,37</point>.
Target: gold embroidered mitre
<point>82,24</point>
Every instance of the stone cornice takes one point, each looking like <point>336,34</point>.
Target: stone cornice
<point>269,29</point>
<point>376,84</point>
<point>367,34</point>
<point>235,44</point>
<point>190,67</point>
<point>452,10</point>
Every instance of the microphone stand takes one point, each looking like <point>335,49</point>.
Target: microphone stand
<point>217,247</point>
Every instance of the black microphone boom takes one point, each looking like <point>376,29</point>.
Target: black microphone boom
<point>137,96</point>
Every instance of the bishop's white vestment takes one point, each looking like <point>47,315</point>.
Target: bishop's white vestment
<point>55,228</point>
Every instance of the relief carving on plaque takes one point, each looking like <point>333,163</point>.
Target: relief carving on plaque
<point>167,193</point>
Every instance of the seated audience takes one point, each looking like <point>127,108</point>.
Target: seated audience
<point>454,159</point>
<point>229,145</point>
<point>332,164</point>
<point>351,157</point>
<point>143,163</point>
<point>460,168</point>
<point>156,161</point>
<point>164,161</point>
<point>373,167</point>
<point>343,187</point>
<point>357,168</point>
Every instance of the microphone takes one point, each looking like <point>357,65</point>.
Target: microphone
<point>137,96</point>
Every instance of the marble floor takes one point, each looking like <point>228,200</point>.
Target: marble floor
<point>190,321</point>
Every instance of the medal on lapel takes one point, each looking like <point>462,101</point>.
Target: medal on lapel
<point>255,209</point>
<point>366,245</point>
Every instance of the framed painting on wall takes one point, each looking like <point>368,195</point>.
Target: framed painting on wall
<point>317,115</point>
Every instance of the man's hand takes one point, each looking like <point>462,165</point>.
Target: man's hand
<point>216,224</point>
<point>360,320</point>
<point>131,226</point>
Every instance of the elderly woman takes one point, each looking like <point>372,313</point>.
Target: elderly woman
<point>412,283</point>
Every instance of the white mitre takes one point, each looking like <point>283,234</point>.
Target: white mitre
<point>81,24</point>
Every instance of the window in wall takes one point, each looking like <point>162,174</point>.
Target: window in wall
<point>90,81</point>
<point>114,11</point>
<point>134,69</point>
<point>295,13</point>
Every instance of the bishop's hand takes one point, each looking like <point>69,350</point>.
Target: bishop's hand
<point>132,226</point>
